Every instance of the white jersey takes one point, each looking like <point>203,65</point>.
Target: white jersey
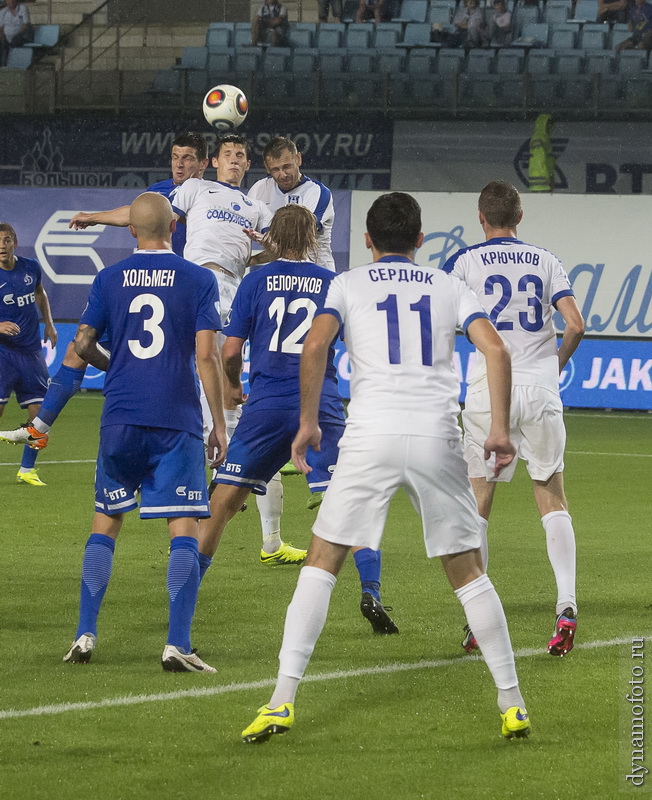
<point>314,196</point>
<point>399,327</point>
<point>518,285</point>
<point>215,215</point>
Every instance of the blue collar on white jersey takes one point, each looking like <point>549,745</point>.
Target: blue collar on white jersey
<point>296,186</point>
<point>392,259</point>
<point>503,240</point>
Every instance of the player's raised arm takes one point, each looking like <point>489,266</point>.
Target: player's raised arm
<point>117,217</point>
<point>209,367</point>
<point>499,378</point>
<point>313,367</point>
<point>86,347</point>
<point>44,307</point>
<point>574,330</point>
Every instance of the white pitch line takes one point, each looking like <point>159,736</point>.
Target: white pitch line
<point>210,691</point>
<point>42,462</point>
<point>643,414</point>
<point>590,453</point>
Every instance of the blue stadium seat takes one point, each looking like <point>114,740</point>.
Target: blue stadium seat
<point>509,61</point>
<point>525,15</point>
<point>330,35</point>
<point>534,34</point>
<point>450,61</point>
<point>220,66</point>
<point>541,61</point>
<point>166,82</point>
<point>358,35</point>
<point>619,32</point>
<point>611,92</point>
<point>387,34</point>
<point>439,14</point>
<point>194,58</point>
<point>362,62</point>
<point>276,60</point>
<point>586,11</point>
<point>570,62</point>
<point>413,11</point>
<point>511,91</point>
<point>417,34</point>
<point>242,34</point>
<point>479,90</point>
<point>422,62</point>
<point>390,61</point>
<point>556,11</point>
<point>332,61</point>
<point>564,36</point>
<point>600,62</point>
<point>543,91</point>
<point>638,92</point>
<point>304,61</point>
<point>480,62</point>
<point>594,36</point>
<point>246,60</point>
<point>20,58</point>
<point>218,39</point>
<point>576,91</point>
<point>631,62</point>
<point>45,36</point>
<point>299,37</point>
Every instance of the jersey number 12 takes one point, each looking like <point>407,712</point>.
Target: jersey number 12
<point>277,310</point>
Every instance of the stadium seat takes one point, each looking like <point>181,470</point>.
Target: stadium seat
<point>440,14</point>
<point>479,90</point>
<point>332,61</point>
<point>570,62</point>
<point>534,34</point>
<point>45,36</point>
<point>638,92</point>
<point>525,15</point>
<point>299,38</point>
<point>631,62</point>
<point>417,34</point>
<point>509,62</point>
<point>413,11</point>
<point>330,35</point>
<point>361,63</point>
<point>575,91</point>
<point>586,11</point>
<point>304,61</point>
<point>594,37</point>
<point>220,66</point>
<point>387,34</point>
<point>242,34</point>
<point>450,61</point>
<point>619,32</point>
<point>600,62</point>
<point>480,62</point>
<point>564,36</point>
<point>422,62</point>
<point>611,93</point>
<point>193,58</point>
<point>166,82</point>
<point>543,91</point>
<point>540,61</point>
<point>511,91</point>
<point>246,60</point>
<point>390,61</point>
<point>276,60</point>
<point>20,58</point>
<point>557,12</point>
<point>358,35</point>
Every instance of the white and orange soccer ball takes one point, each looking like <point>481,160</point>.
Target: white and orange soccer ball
<point>225,107</point>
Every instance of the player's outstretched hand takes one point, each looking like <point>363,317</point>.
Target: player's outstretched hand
<point>216,447</point>
<point>307,436</point>
<point>503,449</point>
<point>254,235</point>
<point>9,328</point>
<point>81,221</point>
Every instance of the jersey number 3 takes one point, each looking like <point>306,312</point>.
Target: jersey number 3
<point>151,325</point>
<point>278,310</point>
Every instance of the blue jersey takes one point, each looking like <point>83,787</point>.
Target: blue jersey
<point>179,236</point>
<point>18,304</point>
<point>150,306</point>
<point>273,308</point>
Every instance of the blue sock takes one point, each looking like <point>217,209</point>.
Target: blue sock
<point>29,457</point>
<point>183,585</point>
<point>204,563</point>
<point>368,563</point>
<point>66,383</point>
<point>96,572</point>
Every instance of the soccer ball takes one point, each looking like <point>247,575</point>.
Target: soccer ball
<point>225,107</point>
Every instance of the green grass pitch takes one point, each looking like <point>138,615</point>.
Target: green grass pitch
<point>420,731</point>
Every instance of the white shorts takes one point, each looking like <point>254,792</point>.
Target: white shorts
<point>537,432</point>
<point>368,473</point>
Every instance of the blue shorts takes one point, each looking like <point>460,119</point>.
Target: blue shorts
<point>26,374</point>
<point>167,466</point>
<point>262,443</point>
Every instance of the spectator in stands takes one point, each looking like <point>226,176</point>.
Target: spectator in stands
<point>335,7</point>
<point>499,25</point>
<point>469,24</point>
<point>612,10</point>
<point>372,9</point>
<point>640,24</point>
<point>15,28</point>
<point>271,16</point>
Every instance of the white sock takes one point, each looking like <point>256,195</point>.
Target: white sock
<point>270,508</point>
<point>231,417</point>
<point>484,544</point>
<point>560,541</point>
<point>486,618</point>
<point>304,622</point>
<point>40,426</point>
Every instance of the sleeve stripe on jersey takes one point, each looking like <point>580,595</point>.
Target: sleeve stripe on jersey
<point>332,311</point>
<point>450,264</point>
<point>322,204</point>
<point>178,211</point>
<point>469,320</point>
<point>563,293</point>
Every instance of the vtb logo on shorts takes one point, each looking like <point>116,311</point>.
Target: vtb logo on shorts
<point>181,491</point>
<point>233,468</point>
